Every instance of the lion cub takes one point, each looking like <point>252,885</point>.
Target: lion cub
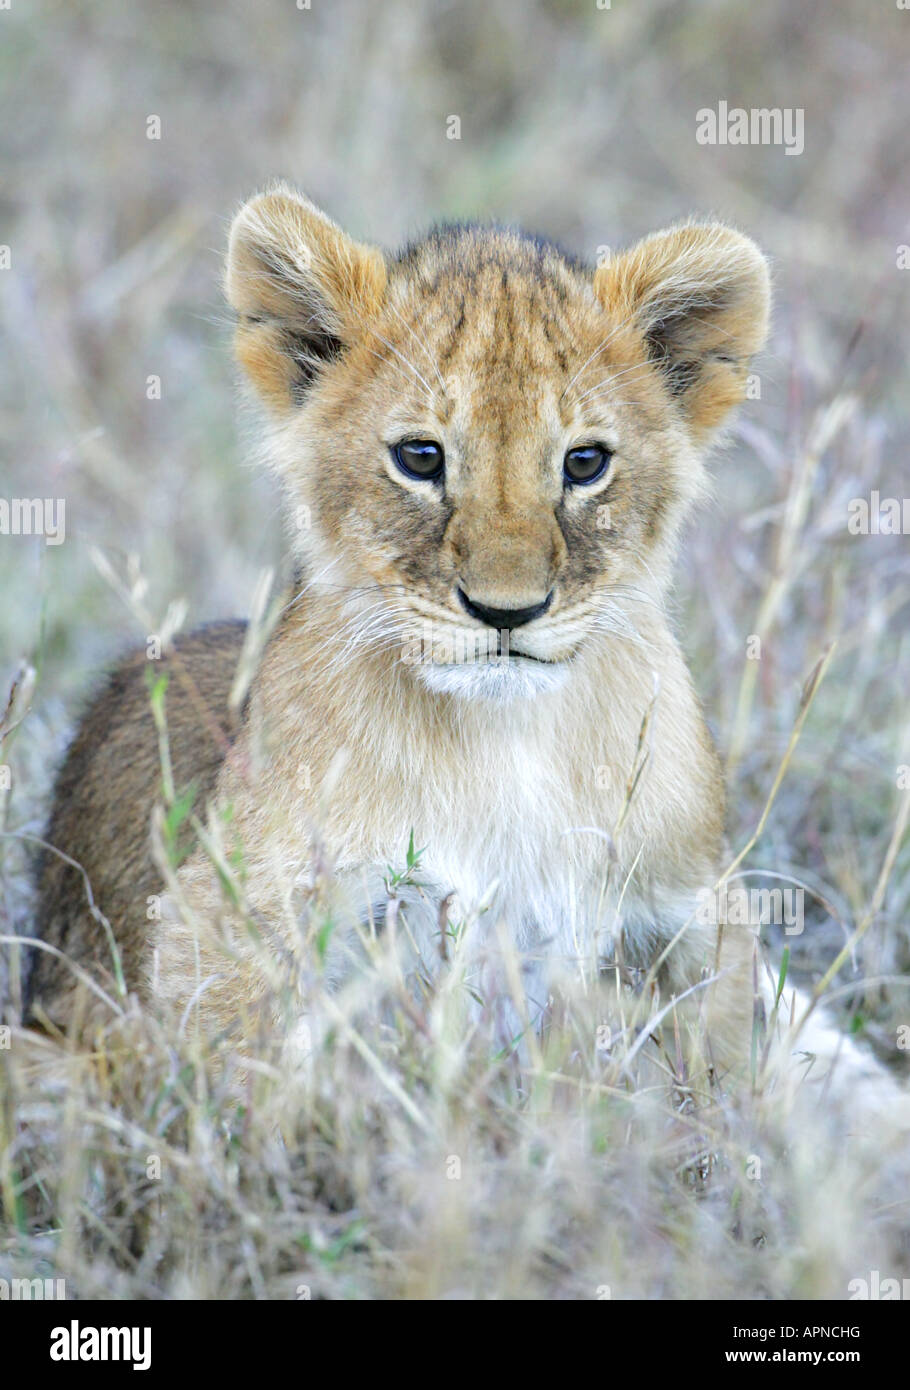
<point>488,450</point>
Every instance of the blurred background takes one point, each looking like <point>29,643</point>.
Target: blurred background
<point>578,122</point>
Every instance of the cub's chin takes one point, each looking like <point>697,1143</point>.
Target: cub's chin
<point>501,680</point>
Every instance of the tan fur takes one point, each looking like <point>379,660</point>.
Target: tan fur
<point>103,800</point>
<point>570,794</point>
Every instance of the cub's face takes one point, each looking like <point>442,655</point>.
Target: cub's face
<point>490,445</point>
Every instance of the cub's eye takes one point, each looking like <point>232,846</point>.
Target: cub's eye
<point>586,464</point>
<point>419,458</point>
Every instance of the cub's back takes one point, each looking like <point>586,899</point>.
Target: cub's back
<point>105,790</point>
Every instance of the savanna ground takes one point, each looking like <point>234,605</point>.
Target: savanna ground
<point>132,1171</point>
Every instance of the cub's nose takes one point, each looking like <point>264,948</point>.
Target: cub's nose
<point>504,617</point>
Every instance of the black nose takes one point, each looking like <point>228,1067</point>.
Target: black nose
<point>504,617</point>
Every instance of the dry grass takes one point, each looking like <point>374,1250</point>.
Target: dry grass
<point>578,123</point>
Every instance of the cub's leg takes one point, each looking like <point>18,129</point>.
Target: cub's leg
<point>239,956</point>
<point>783,1047</point>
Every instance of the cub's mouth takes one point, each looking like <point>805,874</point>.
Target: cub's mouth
<point>481,663</point>
<point>521,658</point>
<point>435,644</point>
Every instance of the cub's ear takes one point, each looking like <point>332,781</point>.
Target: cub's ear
<point>700,297</point>
<point>302,290</point>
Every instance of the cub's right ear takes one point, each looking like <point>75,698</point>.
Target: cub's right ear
<point>699,295</point>
<point>302,290</point>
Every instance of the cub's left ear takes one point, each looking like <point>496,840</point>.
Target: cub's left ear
<point>303,291</point>
<point>700,297</point>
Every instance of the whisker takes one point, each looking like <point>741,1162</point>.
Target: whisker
<point>421,342</point>
<point>613,620</point>
<point>605,342</point>
<point>383,357</point>
<point>639,369</point>
<point>408,363</point>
